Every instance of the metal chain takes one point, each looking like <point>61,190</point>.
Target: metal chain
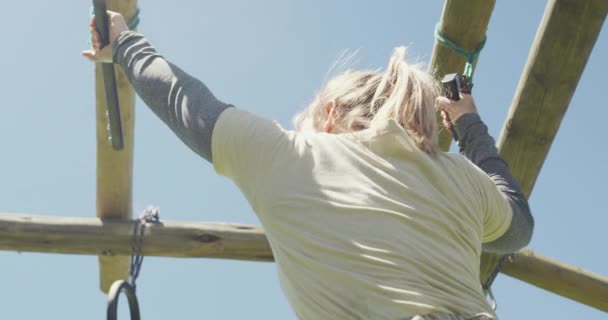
<point>150,215</point>
<point>487,286</point>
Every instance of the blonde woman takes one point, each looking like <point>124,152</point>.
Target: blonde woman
<point>366,217</point>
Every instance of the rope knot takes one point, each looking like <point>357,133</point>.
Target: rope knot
<point>470,56</point>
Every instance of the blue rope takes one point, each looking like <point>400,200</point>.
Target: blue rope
<point>469,55</point>
<point>134,21</point>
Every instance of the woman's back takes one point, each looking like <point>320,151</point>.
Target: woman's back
<point>364,225</point>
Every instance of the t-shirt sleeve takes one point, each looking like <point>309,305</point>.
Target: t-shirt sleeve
<point>244,146</point>
<point>496,209</point>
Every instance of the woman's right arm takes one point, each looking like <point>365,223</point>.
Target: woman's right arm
<point>479,147</point>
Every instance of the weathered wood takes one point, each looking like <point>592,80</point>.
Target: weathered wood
<point>562,46</point>
<point>568,281</point>
<point>115,168</point>
<point>110,238</point>
<point>244,242</point>
<point>556,61</point>
<point>465,22</point>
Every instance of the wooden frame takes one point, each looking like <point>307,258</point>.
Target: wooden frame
<point>557,59</point>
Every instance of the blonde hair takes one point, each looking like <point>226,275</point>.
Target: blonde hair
<point>403,92</point>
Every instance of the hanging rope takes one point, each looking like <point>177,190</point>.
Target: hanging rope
<point>150,215</point>
<point>470,56</point>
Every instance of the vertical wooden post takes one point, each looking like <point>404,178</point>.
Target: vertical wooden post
<point>563,44</point>
<point>115,168</point>
<point>465,22</point>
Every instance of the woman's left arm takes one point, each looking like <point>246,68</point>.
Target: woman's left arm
<point>183,102</point>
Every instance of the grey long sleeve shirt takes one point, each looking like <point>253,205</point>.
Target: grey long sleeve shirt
<point>189,108</point>
<point>479,147</point>
<point>183,102</point>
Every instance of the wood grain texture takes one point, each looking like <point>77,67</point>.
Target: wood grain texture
<point>110,238</point>
<point>92,236</point>
<point>557,277</point>
<point>557,59</point>
<point>115,167</point>
<point>465,22</point>
<point>563,44</point>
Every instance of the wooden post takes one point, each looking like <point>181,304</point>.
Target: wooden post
<point>115,168</point>
<point>244,242</point>
<point>562,46</point>
<point>556,61</point>
<point>465,22</point>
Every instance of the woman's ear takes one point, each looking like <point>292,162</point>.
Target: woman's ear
<point>329,114</point>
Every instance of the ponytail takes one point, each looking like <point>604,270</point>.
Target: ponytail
<point>404,93</point>
<point>407,94</point>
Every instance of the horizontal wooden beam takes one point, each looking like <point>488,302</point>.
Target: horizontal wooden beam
<point>243,242</point>
<point>563,44</point>
<point>112,238</point>
<point>560,278</point>
<point>465,22</point>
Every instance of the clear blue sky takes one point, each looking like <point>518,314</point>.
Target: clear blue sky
<point>267,57</point>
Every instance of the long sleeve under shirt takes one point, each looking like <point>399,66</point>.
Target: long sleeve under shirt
<point>362,225</point>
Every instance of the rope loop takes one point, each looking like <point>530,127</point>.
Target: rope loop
<point>470,56</point>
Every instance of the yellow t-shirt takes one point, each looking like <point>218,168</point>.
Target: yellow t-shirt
<point>364,225</point>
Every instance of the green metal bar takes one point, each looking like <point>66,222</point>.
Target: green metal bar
<point>109,78</point>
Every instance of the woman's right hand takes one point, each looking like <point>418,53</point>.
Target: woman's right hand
<point>451,110</point>
<point>98,52</point>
